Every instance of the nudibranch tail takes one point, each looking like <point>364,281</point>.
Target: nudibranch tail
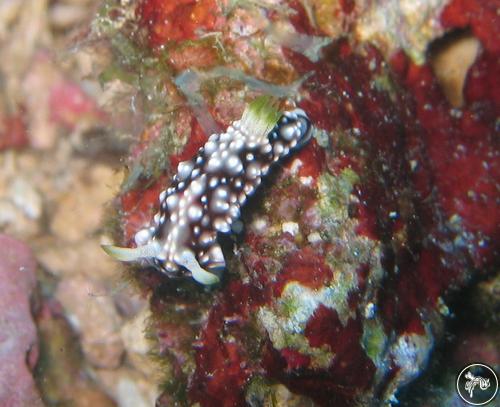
<point>209,190</point>
<point>187,260</point>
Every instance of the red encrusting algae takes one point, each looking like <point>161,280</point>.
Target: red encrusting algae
<point>478,15</point>
<point>180,20</point>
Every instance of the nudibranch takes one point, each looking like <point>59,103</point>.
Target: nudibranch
<point>208,191</point>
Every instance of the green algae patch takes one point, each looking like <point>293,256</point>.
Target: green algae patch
<point>384,83</point>
<point>335,192</point>
<point>261,391</point>
<point>374,340</point>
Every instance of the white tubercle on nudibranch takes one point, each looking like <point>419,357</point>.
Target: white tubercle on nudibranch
<point>208,191</point>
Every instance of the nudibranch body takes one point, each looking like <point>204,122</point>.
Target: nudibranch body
<point>208,191</point>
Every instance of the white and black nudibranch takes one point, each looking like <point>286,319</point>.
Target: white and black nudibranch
<point>208,191</point>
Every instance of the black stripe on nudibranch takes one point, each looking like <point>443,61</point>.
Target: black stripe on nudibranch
<point>208,191</point>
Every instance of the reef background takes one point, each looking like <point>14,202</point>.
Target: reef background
<point>368,268</point>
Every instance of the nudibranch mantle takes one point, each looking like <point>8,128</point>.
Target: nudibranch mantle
<point>208,191</point>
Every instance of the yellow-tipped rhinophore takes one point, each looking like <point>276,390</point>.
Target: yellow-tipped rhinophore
<point>261,116</point>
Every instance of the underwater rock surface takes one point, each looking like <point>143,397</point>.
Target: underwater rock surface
<point>18,335</point>
<point>338,287</point>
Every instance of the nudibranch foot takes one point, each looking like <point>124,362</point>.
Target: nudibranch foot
<point>150,250</point>
<point>208,191</point>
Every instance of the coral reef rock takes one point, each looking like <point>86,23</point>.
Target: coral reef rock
<point>18,334</point>
<point>337,289</point>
